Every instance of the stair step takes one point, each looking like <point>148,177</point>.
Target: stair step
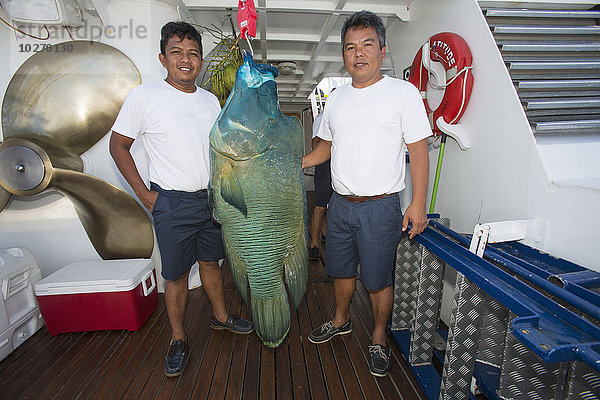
<point>546,30</point>
<point>578,65</point>
<point>553,58</point>
<point>549,47</point>
<point>557,126</point>
<point>559,84</point>
<point>561,104</point>
<point>534,75</point>
<point>513,13</point>
<point>562,114</point>
<point>550,94</point>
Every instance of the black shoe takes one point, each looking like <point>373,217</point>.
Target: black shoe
<point>313,253</point>
<point>176,358</point>
<point>379,362</point>
<point>326,331</point>
<point>234,324</point>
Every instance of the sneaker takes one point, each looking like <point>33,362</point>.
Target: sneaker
<point>176,358</point>
<point>379,362</point>
<point>326,331</point>
<point>234,324</point>
<point>313,253</point>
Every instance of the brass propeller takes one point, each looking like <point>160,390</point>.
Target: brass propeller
<point>4,198</point>
<point>58,104</point>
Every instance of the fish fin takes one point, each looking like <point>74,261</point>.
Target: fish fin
<point>231,190</point>
<point>296,269</point>
<point>238,272</point>
<point>271,317</point>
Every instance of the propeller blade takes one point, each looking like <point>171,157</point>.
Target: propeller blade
<point>65,99</point>
<point>116,224</point>
<point>4,198</point>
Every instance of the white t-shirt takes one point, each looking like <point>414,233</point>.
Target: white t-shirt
<point>174,128</point>
<point>369,129</point>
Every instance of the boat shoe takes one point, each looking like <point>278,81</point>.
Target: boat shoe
<point>326,331</point>
<point>234,324</point>
<point>379,360</point>
<point>176,358</point>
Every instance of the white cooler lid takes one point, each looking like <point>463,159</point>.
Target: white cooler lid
<point>95,276</point>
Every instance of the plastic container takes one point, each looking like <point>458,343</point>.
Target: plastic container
<point>19,313</point>
<point>98,295</point>
<point>19,332</point>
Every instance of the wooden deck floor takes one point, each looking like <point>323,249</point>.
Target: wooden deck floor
<point>222,365</point>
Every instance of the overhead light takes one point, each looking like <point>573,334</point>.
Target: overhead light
<point>44,12</point>
<point>286,67</point>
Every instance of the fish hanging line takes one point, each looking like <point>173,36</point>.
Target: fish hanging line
<point>246,17</point>
<point>250,45</point>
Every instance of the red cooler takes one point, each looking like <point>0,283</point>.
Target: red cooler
<point>98,295</point>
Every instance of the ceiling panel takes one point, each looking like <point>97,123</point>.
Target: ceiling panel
<point>305,32</point>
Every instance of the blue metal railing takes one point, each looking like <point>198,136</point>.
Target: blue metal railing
<point>583,299</point>
<point>554,333</point>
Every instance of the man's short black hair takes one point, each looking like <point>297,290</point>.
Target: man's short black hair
<point>182,30</point>
<point>365,19</point>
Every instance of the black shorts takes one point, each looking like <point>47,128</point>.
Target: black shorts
<point>323,184</point>
<point>185,231</point>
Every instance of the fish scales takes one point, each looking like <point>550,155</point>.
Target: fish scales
<point>258,196</point>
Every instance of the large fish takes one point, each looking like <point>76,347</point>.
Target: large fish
<point>258,197</point>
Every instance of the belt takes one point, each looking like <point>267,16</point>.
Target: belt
<point>156,187</point>
<point>360,199</point>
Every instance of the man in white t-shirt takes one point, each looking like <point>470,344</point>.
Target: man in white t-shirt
<point>173,119</point>
<point>367,127</point>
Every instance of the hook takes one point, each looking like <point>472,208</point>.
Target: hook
<point>249,45</point>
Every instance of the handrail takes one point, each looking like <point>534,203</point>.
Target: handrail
<point>529,272</point>
<point>554,333</point>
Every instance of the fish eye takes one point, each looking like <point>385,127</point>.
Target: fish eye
<point>271,120</point>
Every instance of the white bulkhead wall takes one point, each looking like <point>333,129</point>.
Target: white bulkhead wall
<point>47,223</point>
<point>501,177</point>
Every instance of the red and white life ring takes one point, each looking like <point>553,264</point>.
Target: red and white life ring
<point>453,52</point>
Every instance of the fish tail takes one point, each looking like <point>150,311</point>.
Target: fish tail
<point>271,317</point>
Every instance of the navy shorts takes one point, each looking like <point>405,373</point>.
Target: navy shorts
<point>185,231</point>
<point>367,233</point>
<point>323,188</point>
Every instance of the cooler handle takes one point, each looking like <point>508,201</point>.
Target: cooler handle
<point>148,290</point>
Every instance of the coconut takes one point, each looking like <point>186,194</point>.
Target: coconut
<point>229,76</point>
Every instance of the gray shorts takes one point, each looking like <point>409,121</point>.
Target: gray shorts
<point>185,230</point>
<point>366,233</point>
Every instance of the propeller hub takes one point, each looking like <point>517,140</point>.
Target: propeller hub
<point>24,167</point>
